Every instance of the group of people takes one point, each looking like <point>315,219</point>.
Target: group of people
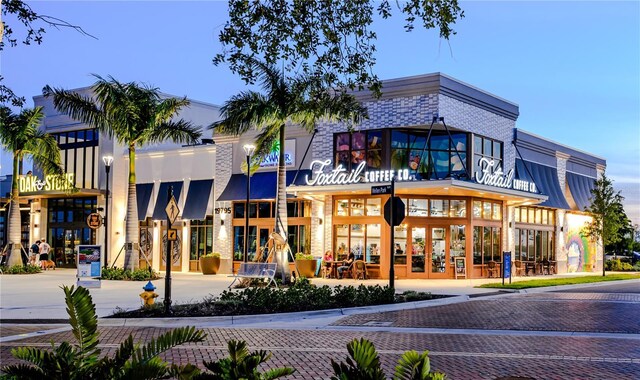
<point>328,261</point>
<point>39,252</point>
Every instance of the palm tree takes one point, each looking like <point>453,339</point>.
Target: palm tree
<point>135,115</point>
<point>20,135</point>
<point>283,101</point>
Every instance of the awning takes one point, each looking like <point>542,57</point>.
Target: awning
<point>161,200</point>
<point>580,187</point>
<point>263,185</point>
<point>143,196</point>
<point>195,207</point>
<point>546,180</point>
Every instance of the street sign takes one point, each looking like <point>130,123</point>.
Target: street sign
<point>94,220</point>
<point>172,210</point>
<point>172,234</point>
<point>378,190</point>
<point>398,210</point>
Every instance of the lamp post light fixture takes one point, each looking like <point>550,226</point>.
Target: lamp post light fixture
<point>249,150</point>
<point>107,160</point>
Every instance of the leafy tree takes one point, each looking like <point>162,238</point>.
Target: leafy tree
<point>624,243</point>
<point>135,115</point>
<point>35,24</point>
<point>606,213</point>
<point>20,135</point>
<point>283,101</point>
<point>332,41</point>
<point>83,360</point>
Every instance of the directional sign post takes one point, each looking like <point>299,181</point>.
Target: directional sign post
<point>172,211</point>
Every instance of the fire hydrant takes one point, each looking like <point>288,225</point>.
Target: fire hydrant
<point>148,296</point>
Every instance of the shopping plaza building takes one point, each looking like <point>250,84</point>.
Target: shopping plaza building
<point>473,185</point>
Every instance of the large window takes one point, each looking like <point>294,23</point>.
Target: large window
<point>487,210</point>
<point>79,155</point>
<point>534,245</point>
<point>484,147</point>
<point>440,157</point>
<point>486,244</point>
<point>353,148</point>
<point>363,240</point>
<point>535,215</point>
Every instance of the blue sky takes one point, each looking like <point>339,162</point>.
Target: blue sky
<point>573,67</point>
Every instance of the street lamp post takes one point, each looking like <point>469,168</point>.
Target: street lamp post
<point>107,160</point>
<point>249,150</point>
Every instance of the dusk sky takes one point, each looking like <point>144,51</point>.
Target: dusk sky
<point>573,67</point>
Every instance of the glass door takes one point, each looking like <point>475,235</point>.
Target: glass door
<point>176,251</point>
<point>264,245</point>
<point>439,256</point>
<point>418,240</point>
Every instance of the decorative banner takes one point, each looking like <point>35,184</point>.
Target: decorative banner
<point>270,160</point>
<point>340,176</point>
<point>492,175</point>
<point>51,183</point>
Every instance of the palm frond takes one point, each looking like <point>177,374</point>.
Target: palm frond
<point>184,372</point>
<point>413,366</point>
<point>277,372</point>
<point>166,109</point>
<point>114,366</point>
<point>23,371</point>
<point>78,107</point>
<point>83,320</point>
<point>154,368</point>
<point>243,112</point>
<point>167,341</point>
<point>179,131</point>
<point>45,152</point>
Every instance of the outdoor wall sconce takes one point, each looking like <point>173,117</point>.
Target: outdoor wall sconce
<point>561,228</point>
<point>184,224</point>
<point>510,224</point>
<point>155,224</point>
<point>35,226</point>
<point>320,221</point>
<point>222,222</point>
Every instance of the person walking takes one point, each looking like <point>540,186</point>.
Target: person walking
<point>44,253</point>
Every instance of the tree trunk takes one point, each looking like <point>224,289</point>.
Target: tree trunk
<point>282,255</point>
<point>15,222</point>
<point>132,253</point>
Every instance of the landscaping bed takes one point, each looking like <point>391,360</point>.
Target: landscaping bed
<point>561,281</point>
<point>302,296</point>
<point>115,273</point>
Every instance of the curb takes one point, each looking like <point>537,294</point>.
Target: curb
<point>549,289</point>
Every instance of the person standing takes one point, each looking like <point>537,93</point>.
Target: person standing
<point>44,253</point>
<point>35,251</point>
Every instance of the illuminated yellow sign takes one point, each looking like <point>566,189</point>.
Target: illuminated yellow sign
<point>51,182</point>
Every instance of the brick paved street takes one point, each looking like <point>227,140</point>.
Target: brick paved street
<point>559,341</point>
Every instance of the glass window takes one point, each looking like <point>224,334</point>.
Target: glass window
<point>477,245</point>
<point>486,246</point>
<point>342,207</point>
<point>373,243</point>
<point>495,240</point>
<point>400,245</point>
<point>516,214</point>
<point>357,207</point>
<point>264,209</point>
<point>497,211</point>
<point>373,206</point>
<point>477,209</point>
<point>439,207</point>
<point>458,208</point>
<point>342,241</point>
<point>357,241</point>
<point>457,245</point>
<point>486,210</point>
<point>417,207</point>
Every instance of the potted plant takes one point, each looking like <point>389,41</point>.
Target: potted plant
<point>306,265</point>
<point>210,263</point>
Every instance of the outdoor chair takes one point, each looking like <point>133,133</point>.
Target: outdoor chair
<point>519,267</point>
<point>492,268</point>
<point>326,269</point>
<point>359,270</point>
<point>546,267</point>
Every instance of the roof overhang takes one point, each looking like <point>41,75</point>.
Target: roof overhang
<point>446,187</point>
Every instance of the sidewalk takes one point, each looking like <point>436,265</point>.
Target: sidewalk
<point>40,297</point>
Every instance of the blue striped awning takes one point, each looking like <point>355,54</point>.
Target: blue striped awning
<point>195,207</point>
<point>143,196</point>
<point>580,187</point>
<point>263,185</point>
<point>162,199</point>
<point>546,180</point>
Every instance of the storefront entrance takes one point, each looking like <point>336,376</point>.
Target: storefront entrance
<point>428,253</point>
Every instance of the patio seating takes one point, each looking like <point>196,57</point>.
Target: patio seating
<point>492,268</point>
<point>360,270</point>
<point>519,268</point>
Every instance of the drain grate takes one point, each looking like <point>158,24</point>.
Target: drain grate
<point>378,323</point>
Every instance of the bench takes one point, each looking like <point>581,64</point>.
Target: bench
<point>256,270</point>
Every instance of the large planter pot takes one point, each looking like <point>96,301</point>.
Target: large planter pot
<point>209,265</point>
<point>307,268</point>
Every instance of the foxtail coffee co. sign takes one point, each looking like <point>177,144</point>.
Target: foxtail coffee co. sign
<point>340,176</point>
<point>52,182</point>
<point>491,174</point>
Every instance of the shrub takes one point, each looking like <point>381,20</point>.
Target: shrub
<point>213,254</point>
<point>619,265</point>
<point>303,256</point>
<point>84,360</point>
<point>21,269</point>
<point>140,274</point>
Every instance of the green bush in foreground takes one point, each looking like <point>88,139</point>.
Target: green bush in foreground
<point>620,266</point>
<point>21,269</point>
<point>83,360</point>
<point>127,275</point>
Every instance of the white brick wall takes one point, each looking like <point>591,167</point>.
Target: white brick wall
<point>222,235</point>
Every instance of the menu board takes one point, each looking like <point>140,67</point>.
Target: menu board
<point>89,264</point>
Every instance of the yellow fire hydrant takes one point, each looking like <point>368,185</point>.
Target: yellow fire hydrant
<point>148,296</point>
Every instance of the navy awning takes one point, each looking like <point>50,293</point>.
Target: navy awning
<point>161,200</point>
<point>546,180</point>
<point>143,196</point>
<point>580,187</point>
<point>263,185</point>
<point>195,207</point>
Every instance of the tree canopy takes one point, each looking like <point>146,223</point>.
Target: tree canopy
<point>330,40</point>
